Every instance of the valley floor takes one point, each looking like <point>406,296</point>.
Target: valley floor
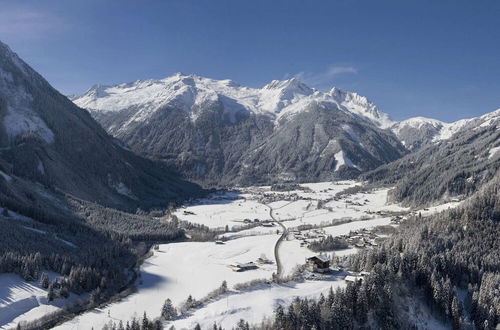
<point>255,218</point>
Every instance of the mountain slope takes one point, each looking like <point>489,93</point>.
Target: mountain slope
<point>47,139</point>
<point>418,132</point>
<point>453,167</point>
<point>218,132</point>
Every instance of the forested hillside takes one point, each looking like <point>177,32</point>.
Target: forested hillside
<point>450,262</point>
<point>45,138</point>
<point>62,181</point>
<point>218,132</point>
<point>453,168</point>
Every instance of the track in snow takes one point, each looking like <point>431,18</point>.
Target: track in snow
<point>279,266</point>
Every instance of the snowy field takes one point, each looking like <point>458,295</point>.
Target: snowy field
<point>253,305</point>
<point>178,270</point>
<point>25,301</point>
<point>181,269</point>
<point>219,213</point>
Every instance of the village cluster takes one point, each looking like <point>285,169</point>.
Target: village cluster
<point>264,238</point>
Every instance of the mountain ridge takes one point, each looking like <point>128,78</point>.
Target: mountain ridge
<point>45,138</point>
<point>215,128</point>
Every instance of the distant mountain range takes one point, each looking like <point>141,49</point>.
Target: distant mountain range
<point>464,156</point>
<point>220,133</point>
<point>46,139</point>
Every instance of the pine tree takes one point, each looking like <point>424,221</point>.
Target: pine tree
<point>455,312</point>
<point>145,322</point>
<point>279,317</point>
<point>242,325</point>
<point>223,287</point>
<point>44,281</point>
<point>168,311</point>
<point>64,292</point>
<point>51,295</point>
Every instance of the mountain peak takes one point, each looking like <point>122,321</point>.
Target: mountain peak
<point>279,98</point>
<point>293,84</point>
<point>361,106</point>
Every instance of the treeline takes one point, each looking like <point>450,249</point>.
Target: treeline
<point>138,227</point>
<point>328,243</point>
<point>451,259</point>
<point>449,262</point>
<point>95,261</point>
<point>94,248</point>
<point>456,167</point>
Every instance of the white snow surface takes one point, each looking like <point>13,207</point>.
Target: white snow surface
<point>254,305</point>
<point>20,117</point>
<point>197,268</point>
<point>25,301</point>
<point>180,269</point>
<point>343,160</point>
<point>6,177</point>
<point>362,106</point>
<point>446,130</point>
<point>493,152</point>
<point>219,213</point>
<point>278,99</point>
<point>122,189</point>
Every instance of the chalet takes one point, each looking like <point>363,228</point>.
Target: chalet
<point>238,267</point>
<point>264,261</point>
<point>360,244</point>
<point>319,263</point>
<point>353,278</point>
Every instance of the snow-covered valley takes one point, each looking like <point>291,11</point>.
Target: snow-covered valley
<point>178,270</point>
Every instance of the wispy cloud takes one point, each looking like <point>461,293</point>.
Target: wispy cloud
<point>327,77</point>
<point>20,21</point>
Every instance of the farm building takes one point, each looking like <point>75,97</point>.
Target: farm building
<point>238,267</point>
<point>353,278</point>
<point>319,263</point>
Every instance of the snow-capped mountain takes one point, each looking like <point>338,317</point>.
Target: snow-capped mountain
<point>279,99</point>
<point>362,106</point>
<point>418,132</point>
<point>458,159</point>
<point>45,138</point>
<point>219,131</point>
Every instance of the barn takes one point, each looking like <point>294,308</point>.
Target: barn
<point>318,263</point>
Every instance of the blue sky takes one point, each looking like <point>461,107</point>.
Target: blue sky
<point>439,59</point>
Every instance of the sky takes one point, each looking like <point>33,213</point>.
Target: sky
<point>438,59</point>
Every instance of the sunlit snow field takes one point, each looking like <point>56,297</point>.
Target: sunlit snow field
<point>178,270</point>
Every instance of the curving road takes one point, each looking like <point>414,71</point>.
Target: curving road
<point>279,266</point>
